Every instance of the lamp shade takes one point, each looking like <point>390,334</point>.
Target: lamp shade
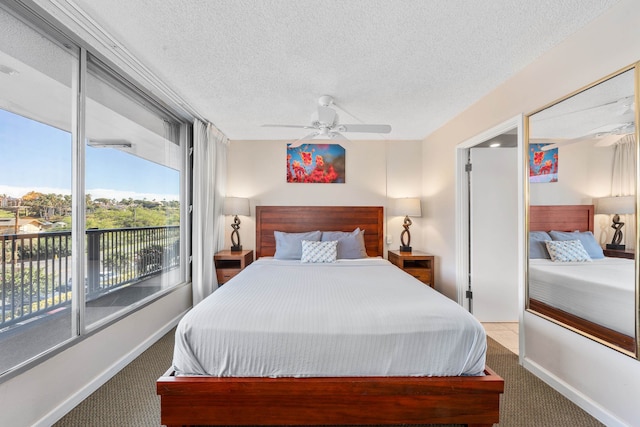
<point>616,205</point>
<point>409,206</point>
<point>236,206</point>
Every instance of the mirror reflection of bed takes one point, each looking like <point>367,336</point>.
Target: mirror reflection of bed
<point>594,296</point>
<point>587,142</point>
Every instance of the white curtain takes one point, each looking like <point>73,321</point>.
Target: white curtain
<point>623,183</point>
<point>210,149</point>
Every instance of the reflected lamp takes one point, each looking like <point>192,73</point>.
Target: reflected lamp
<point>616,206</point>
<point>236,206</point>
<point>407,207</point>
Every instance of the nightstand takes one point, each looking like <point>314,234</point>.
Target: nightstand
<point>418,264</point>
<point>228,263</point>
<point>617,253</point>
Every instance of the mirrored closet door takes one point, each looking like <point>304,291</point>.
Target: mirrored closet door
<point>582,155</point>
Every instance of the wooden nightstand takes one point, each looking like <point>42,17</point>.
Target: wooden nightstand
<point>228,263</point>
<point>617,253</point>
<point>419,264</point>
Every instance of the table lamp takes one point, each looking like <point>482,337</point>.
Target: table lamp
<point>616,206</point>
<point>407,207</point>
<point>236,206</point>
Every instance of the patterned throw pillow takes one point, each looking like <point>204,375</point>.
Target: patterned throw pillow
<point>567,251</point>
<point>319,251</point>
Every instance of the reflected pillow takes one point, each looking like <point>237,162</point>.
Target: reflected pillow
<point>319,251</point>
<point>350,244</point>
<point>289,245</point>
<point>567,251</point>
<point>537,246</point>
<point>587,239</point>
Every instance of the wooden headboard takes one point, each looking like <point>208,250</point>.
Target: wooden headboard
<point>561,218</point>
<point>296,219</point>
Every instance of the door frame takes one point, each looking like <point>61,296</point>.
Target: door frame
<point>462,213</point>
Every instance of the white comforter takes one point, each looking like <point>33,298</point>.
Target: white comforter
<point>601,291</point>
<point>349,318</point>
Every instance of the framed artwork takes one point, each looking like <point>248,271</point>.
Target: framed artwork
<point>543,165</point>
<point>316,163</point>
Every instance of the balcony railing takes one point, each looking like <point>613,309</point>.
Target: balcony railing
<point>36,269</point>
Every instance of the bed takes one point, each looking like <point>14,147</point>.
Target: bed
<point>595,297</point>
<point>313,398</point>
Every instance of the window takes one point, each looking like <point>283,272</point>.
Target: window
<point>36,113</point>
<point>124,193</point>
<point>133,158</point>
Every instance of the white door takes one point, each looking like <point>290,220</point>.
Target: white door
<point>494,234</point>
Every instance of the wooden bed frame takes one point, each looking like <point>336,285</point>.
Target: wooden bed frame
<point>199,400</point>
<point>572,218</point>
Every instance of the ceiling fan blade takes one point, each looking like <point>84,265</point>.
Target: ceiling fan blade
<point>299,142</point>
<point>287,126</point>
<point>326,115</point>
<point>337,135</point>
<point>603,141</point>
<point>560,144</point>
<point>365,128</point>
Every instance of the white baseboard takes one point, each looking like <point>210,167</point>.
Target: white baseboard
<point>585,403</point>
<point>75,399</point>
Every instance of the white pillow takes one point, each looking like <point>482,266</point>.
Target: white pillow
<point>567,251</point>
<point>313,251</point>
<point>587,239</point>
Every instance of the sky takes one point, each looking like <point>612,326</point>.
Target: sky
<point>37,157</point>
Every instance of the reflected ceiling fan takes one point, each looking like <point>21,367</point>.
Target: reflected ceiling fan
<point>327,125</point>
<point>620,115</point>
<point>607,135</point>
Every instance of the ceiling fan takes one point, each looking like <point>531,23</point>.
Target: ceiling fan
<point>327,125</point>
<point>606,135</point>
<point>618,114</point>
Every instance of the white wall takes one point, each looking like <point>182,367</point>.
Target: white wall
<point>374,170</point>
<point>608,44</point>
<point>43,394</point>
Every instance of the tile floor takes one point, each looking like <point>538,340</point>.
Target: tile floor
<point>504,333</point>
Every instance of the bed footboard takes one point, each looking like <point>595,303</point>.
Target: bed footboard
<point>351,400</point>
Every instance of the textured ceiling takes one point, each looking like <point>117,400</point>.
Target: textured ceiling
<point>413,64</point>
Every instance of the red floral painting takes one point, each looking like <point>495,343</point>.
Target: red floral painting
<point>543,165</point>
<point>316,163</point>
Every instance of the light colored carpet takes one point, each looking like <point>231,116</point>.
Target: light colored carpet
<point>129,398</point>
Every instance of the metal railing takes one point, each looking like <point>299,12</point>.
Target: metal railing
<point>36,269</point>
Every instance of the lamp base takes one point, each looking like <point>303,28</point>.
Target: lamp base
<point>237,248</point>
<point>405,248</point>
<point>616,247</point>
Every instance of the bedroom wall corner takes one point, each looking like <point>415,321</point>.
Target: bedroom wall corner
<point>404,179</point>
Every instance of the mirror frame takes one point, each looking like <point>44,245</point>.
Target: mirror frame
<point>636,67</point>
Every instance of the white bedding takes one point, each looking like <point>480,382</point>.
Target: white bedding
<point>601,291</point>
<point>349,318</point>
